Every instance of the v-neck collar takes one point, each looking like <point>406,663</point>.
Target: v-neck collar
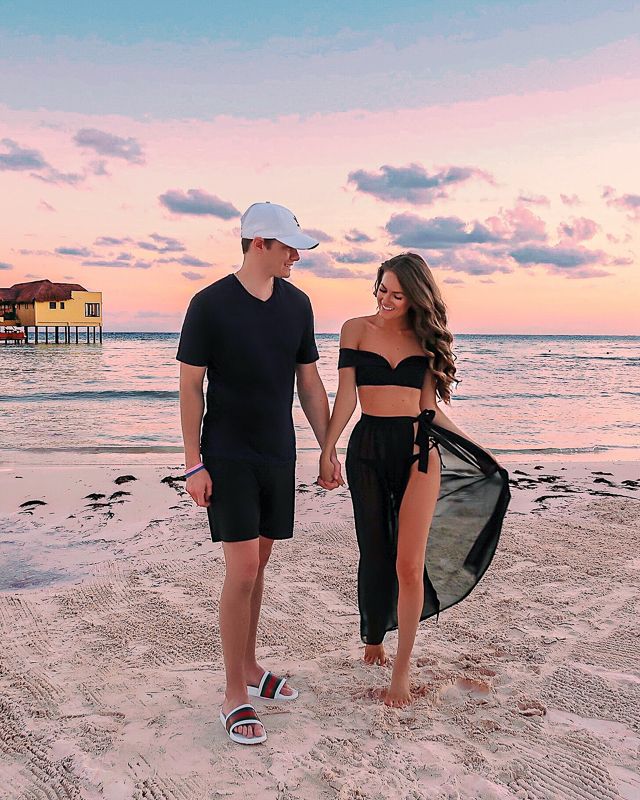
<point>252,296</point>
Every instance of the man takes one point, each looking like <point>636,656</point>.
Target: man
<point>252,333</point>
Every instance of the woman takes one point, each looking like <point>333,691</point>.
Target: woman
<point>412,473</point>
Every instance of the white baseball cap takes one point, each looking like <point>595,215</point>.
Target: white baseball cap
<point>271,221</point>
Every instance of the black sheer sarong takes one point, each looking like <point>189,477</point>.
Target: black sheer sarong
<point>473,499</point>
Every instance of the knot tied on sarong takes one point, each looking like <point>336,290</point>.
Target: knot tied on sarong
<point>423,440</point>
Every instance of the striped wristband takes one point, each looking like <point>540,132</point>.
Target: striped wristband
<point>192,470</point>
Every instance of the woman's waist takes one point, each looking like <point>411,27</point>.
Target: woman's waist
<point>389,401</point>
<point>425,416</point>
<point>388,419</point>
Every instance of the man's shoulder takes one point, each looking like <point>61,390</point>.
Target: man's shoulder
<point>213,291</point>
<point>292,292</point>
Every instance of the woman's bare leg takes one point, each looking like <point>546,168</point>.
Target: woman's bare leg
<point>416,513</point>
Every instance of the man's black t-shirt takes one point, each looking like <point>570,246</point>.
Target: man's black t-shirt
<point>250,348</point>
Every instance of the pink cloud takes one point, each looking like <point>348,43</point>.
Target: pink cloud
<point>578,229</point>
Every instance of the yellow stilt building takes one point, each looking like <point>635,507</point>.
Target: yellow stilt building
<point>66,307</point>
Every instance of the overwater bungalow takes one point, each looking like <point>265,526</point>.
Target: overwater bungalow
<point>67,308</point>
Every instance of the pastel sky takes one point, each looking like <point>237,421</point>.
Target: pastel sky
<point>498,139</point>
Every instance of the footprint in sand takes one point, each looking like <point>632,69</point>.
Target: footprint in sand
<point>473,686</point>
<point>464,688</point>
<point>531,708</point>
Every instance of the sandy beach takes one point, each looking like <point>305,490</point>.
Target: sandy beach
<point>111,669</point>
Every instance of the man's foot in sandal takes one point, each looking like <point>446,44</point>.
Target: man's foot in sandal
<point>269,687</point>
<point>243,725</point>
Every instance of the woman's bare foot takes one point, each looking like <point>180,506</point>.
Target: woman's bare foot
<point>375,654</point>
<point>398,694</point>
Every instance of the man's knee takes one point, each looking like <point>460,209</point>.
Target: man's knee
<point>266,546</point>
<point>243,576</point>
<point>242,569</point>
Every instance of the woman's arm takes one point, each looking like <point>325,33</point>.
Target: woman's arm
<point>345,402</point>
<point>428,400</point>
<point>343,408</point>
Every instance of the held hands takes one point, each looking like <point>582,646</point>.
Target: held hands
<point>330,476</point>
<point>200,487</point>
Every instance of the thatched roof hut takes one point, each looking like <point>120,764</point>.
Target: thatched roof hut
<point>39,292</point>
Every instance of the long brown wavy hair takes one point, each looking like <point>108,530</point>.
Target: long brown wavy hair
<point>427,316</point>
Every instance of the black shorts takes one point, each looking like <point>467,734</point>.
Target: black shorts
<point>250,500</point>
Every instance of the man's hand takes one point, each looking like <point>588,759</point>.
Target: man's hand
<point>330,476</point>
<point>200,487</point>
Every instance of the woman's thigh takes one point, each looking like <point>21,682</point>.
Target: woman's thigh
<point>416,512</point>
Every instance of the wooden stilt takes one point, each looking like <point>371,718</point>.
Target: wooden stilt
<point>76,334</point>
<point>46,334</point>
<point>87,334</point>
<point>101,334</point>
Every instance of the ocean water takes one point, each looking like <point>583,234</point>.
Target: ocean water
<point>523,397</point>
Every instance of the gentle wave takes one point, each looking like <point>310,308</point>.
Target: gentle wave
<point>573,357</point>
<point>518,395</point>
<point>156,448</point>
<point>562,450</point>
<point>113,394</point>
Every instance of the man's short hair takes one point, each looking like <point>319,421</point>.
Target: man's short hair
<point>246,244</point>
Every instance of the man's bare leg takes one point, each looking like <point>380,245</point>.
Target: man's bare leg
<point>253,670</point>
<point>242,564</point>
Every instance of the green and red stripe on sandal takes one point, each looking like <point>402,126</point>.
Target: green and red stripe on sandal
<point>270,688</point>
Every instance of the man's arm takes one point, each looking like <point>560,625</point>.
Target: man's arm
<point>191,411</point>
<point>313,399</point>
<point>314,402</point>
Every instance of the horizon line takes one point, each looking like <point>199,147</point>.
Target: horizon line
<point>461,333</point>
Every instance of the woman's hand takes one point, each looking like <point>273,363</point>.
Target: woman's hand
<point>200,487</point>
<point>330,476</point>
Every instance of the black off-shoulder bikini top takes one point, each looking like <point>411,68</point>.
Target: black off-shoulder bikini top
<point>372,369</point>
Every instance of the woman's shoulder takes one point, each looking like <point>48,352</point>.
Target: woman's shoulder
<point>352,332</point>
<point>357,324</point>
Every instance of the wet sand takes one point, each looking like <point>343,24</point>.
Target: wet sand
<point>110,665</point>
